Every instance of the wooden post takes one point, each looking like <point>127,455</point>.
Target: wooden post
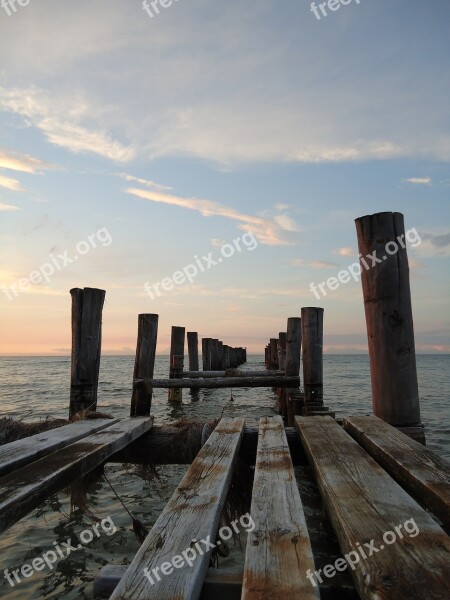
<point>176,361</point>
<point>312,341</point>
<point>281,347</point>
<point>192,340</point>
<point>390,331</point>
<point>87,306</point>
<point>273,353</point>
<point>144,365</point>
<point>206,353</point>
<point>292,366</point>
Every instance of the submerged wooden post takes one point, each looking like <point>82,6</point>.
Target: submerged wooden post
<point>87,306</point>
<point>144,365</point>
<point>176,361</point>
<point>390,331</point>
<point>312,341</point>
<point>192,340</point>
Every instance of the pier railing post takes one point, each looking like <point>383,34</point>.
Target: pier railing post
<point>144,365</point>
<point>312,342</point>
<point>192,340</point>
<point>176,361</point>
<point>87,306</point>
<point>390,331</point>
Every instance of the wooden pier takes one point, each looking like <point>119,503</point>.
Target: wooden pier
<point>372,479</point>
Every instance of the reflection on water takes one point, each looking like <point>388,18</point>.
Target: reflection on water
<point>41,386</point>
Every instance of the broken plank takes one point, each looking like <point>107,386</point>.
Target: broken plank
<point>192,514</point>
<point>24,489</point>
<point>278,551</point>
<point>21,452</point>
<point>423,473</point>
<point>366,506</point>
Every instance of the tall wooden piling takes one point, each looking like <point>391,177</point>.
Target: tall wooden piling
<point>281,348</point>
<point>206,353</point>
<point>87,306</point>
<point>192,340</point>
<point>390,331</point>
<point>141,400</point>
<point>292,366</point>
<point>176,361</point>
<point>312,353</point>
<point>273,353</point>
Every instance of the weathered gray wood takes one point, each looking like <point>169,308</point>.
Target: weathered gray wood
<point>363,502</point>
<point>144,365</point>
<point>312,340</point>
<point>278,549</point>
<point>193,513</point>
<point>390,331</point>
<point>164,444</point>
<point>192,340</point>
<point>423,473</point>
<point>226,382</point>
<point>87,306</point>
<point>16,454</point>
<point>24,489</point>
<point>176,362</point>
<point>220,584</point>
<point>273,345</point>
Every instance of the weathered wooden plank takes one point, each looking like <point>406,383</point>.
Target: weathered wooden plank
<point>225,382</point>
<point>423,473</point>
<point>193,513</point>
<point>23,490</point>
<point>16,454</point>
<point>278,549</point>
<point>220,584</point>
<point>232,373</point>
<point>363,503</point>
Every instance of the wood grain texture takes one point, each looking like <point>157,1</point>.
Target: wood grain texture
<point>423,473</point>
<point>23,490</point>
<point>144,364</point>
<point>193,513</point>
<point>278,549</point>
<point>17,454</point>
<point>363,502</point>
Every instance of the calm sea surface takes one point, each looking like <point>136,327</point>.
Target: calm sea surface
<point>39,387</point>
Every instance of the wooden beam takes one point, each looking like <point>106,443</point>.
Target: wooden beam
<point>279,550</point>
<point>17,454</point>
<point>231,373</point>
<point>23,490</point>
<point>144,364</point>
<point>225,382</point>
<point>423,473</point>
<point>363,503</point>
<point>192,514</point>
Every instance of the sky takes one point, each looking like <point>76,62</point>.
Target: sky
<point>239,139</point>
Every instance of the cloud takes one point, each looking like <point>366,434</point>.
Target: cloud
<point>147,182</point>
<point>10,184</point>
<point>285,222</point>
<point>268,231</point>
<point>217,243</point>
<point>419,180</point>
<point>315,264</point>
<point>15,161</point>
<point>8,207</point>
<point>434,244</point>
<point>346,251</point>
<point>67,122</point>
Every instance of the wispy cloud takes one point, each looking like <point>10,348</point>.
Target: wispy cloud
<point>419,180</point>
<point>68,123</point>
<point>147,182</point>
<point>315,264</point>
<point>268,231</point>
<point>10,184</point>
<point>15,161</point>
<point>346,251</point>
<point>8,207</point>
